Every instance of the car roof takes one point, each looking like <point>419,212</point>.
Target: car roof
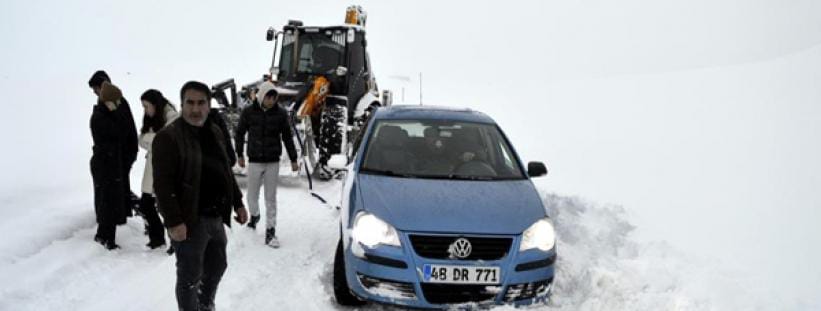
<point>409,112</point>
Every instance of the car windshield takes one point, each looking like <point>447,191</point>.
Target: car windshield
<point>440,149</point>
<point>319,53</point>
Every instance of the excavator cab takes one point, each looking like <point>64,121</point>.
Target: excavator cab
<point>329,71</point>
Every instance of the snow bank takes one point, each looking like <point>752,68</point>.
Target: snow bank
<point>602,267</point>
<point>55,264</point>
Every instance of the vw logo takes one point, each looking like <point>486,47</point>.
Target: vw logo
<point>460,248</point>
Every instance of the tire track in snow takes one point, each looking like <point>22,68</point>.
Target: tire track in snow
<point>41,222</point>
<point>289,275</point>
<point>76,273</point>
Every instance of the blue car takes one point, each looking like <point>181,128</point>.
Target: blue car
<point>437,210</point>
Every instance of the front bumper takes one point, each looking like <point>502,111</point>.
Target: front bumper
<point>394,275</point>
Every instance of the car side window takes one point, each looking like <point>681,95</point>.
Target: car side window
<point>502,156</point>
<point>507,159</point>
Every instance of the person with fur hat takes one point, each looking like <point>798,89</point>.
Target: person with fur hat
<point>159,112</point>
<point>268,128</point>
<point>113,132</point>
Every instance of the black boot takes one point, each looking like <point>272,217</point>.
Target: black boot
<point>271,238</point>
<point>269,234</point>
<point>253,222</point>
<point>110,245</point>
<point>105,236</point>
<point>155,244</point>
<point>107,243</point>
<point>153,225</point>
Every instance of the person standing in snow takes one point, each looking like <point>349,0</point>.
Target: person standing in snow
<point>129,145</point>
<point>196,192</point>
<point>110,161</point>
<point>266,124</point>
<point>159,112</point>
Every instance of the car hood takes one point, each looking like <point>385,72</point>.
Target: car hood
<point>452,206</point>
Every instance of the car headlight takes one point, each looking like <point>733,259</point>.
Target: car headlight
<point>540,235</point>
<point>372,231</point>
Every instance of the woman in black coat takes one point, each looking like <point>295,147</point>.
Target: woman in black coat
<point>109,163</point>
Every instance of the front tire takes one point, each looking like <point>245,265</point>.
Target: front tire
<point>342,292</point>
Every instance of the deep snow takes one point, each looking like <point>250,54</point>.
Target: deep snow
<point>700,118</point>
<point>50,262</point>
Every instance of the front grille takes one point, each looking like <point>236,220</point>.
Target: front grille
<point>447,293</point>
<point>483,248</point>
<point>527,290</point>
<point>387,288</point>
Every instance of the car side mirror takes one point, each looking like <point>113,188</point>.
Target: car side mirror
<point>338,162</point>
<point>536,169</point>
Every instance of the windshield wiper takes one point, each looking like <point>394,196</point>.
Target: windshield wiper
<point>469,177</point>
<point>456,177</point>
<point>386,173</point>
<point>406,175</point>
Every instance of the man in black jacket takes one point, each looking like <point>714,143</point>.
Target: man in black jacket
<point>267,126</point>
<point>115,150</point>
<point>196,192</point>
<point>130,141</point>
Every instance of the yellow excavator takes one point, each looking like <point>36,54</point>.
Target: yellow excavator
<point>327,72</point>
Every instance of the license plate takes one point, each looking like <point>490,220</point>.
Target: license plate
<point>461,274</point>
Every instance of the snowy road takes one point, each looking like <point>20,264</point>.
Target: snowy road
<point>71,272</point>
<point>49,262</point>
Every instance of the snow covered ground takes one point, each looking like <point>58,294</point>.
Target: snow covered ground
<point>50,262</point>
<point>699,120</point>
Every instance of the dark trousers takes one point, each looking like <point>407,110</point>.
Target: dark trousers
<point>201,262</point>
<point>106,225</point>
<point>128,196</point>
<point>111,199</point>
<point>148,207</point>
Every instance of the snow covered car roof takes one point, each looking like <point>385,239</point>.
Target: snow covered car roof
<point>405,112</point>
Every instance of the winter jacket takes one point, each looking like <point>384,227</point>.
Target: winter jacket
<point>217,118</point>
<point>177,161</point>
<point>111,160</point>
<point>145,142</point>
<point>267,130</point>
<point>130,147</point>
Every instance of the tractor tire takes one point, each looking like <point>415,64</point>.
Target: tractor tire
<point>332,123</point>
<point>360,125</point>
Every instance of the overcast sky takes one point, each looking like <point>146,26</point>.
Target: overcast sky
<point>700,117</point>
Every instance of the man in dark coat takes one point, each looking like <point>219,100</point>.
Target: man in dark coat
<point>196,192</point>
<point>129,146</point>
<point>110,161</point>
